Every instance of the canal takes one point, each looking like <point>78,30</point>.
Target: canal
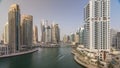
<point>44,58</point>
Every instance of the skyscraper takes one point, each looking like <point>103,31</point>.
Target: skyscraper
<point>48,34</point>
<point>97,28</point>
<point>81,35</point>
<point>2,38</point>
<point>43,24</point>
<point>118,41</point>
<point>77,38</point>
<point>66,39</point>
<point>35,34</point>
<point>72,37</point>
<point>113,37</point>
<point>52,33</point>
<point>6,37</point>
<point>14,27</point>
<point>27,30</point>
<point>55,33</point>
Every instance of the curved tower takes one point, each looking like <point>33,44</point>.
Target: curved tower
<point>14,28</point>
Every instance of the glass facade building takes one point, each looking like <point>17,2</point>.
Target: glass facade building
<point>14,28</point>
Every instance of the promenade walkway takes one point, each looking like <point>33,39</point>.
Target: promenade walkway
<point>19,53</point>
<point>82,61</point>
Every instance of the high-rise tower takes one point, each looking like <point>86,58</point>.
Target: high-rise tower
<point>6,37</point>
<point>14,27</point>
<point>97,25</point>
<point>35,34</point>
<point>55,33</point>
<point>27,30</point>
<point>43,24</point>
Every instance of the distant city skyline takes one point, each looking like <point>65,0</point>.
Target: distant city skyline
<point>67,13</point>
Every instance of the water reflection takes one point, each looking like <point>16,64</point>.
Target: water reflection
<point>44,58</point>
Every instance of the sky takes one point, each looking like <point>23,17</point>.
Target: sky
<point>67,13</point>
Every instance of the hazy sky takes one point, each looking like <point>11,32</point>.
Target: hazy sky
<point>67,13</point>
